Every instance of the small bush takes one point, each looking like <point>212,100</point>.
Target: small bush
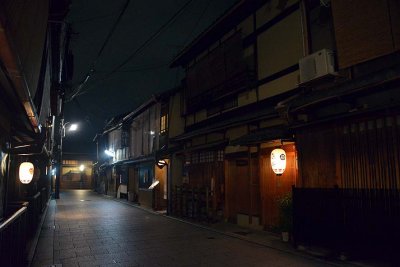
<point>285,212</point>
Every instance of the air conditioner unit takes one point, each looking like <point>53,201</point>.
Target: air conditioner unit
<point>317,65</point>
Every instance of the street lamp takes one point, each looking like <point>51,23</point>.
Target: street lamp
<point>72,127</point>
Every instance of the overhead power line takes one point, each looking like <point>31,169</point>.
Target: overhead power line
<point>197,22</point>
<point>79,88</point>
<point>141,47</point>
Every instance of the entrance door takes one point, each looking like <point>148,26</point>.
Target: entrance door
<point>242,189</point>
<point>274,187</point>
<point>161,189</point>
<point>133,184</point>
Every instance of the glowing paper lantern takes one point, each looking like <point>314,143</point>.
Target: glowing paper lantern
<point>278,161</point>
<point>26,171</point>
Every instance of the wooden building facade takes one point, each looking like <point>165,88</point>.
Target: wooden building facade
<point>296,75</point>
<point>237,71</point>
<point>318,79</point>
<point>33,60</point>
<point>135,142</point>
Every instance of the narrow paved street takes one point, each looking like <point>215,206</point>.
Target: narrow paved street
<point>86,229</point>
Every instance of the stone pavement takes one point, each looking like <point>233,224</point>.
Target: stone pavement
<point>85,229</point>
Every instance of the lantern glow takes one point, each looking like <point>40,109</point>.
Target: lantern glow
<point>26,171</point>
<point>278,161</point>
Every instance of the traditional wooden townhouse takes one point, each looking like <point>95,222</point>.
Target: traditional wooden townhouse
<point>33,69</point>
<point>347,129</point>
<point>112,146</point>
<point>134,155</point>
<point>318,79</point>
<point>237,72</point>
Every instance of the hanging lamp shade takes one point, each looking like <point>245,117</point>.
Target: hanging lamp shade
<point>26,171</point>
<point>278,161</point>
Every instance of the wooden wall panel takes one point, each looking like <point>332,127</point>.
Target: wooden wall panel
<point>286,48</point>
<point>273,187</point>
<point>162,192</point>
<point>133,181</point>
<point>238,187</point>
<point>317,157</point>
<point>362,30</point>
<point>367,154</point>
<point>370,153</point>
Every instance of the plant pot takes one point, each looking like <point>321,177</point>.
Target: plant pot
<point>285,236</point>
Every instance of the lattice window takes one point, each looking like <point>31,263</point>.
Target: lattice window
<point>195,158</point>
<point>220,155</point>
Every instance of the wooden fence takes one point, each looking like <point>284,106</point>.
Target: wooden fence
<point>361,222</point>
<point>194,203</point>
<point>19,227</point>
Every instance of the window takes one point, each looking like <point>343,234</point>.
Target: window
<point>164,119</point>
<point>124,138</point>
<point>220,155</point>
<point>163,124</point>
<point>219,107</point>
<point>205,157</point>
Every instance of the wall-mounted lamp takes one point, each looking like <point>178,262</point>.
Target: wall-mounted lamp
<point>109,153</point>
<point>278,161</point>
<point>161,163</point>
<point>26,170</point>
<point>156,182</point>
<point>82,168</point>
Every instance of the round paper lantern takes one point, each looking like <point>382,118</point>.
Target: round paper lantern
<point>26,171</point>
<point>278,161</point>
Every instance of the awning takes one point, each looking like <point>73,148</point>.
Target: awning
<point>262,135</point>
<point>137,160</point>
<point>245,116</point>
<point>167,152</point>
<point>129,161</point>
<point>212,145</point>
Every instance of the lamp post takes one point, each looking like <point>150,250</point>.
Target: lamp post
<point>81,168</point>
<point>73,127</point>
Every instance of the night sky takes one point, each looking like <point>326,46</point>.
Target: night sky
<point>111,91</point>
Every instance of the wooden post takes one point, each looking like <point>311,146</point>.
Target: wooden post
<point>250,184</point>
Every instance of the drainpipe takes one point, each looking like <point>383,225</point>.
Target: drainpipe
<point>13,66</point>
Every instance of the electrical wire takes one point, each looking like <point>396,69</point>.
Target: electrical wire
<point>197,22</point>
<point>92,66</point>
<point>139,49</point>
<point>91,19</point>
<point>140,68</point>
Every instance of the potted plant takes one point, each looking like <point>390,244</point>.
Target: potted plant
<point>285,215</point>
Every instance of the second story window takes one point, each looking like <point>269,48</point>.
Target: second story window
<point>164,119</point>
<point>124,138</point>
